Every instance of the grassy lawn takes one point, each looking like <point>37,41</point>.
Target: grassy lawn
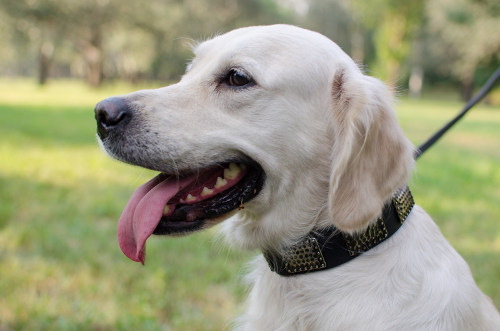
<point>60,264</point>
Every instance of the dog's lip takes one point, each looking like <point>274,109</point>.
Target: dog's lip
<point>209,182</point>
<point>145,215</point>
<point>190,217</point>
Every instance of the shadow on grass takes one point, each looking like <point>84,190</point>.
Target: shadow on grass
<point>61,267</point>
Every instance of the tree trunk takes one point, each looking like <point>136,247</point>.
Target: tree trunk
<point>94,67</point>
<point>44,61</point>
<point>93,55</point>
<point>416,80</point>
<point>467,87</point>
<point>393,67</point>
<point>357,44</point>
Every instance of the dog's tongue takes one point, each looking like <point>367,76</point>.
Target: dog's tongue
<point>143,213</point>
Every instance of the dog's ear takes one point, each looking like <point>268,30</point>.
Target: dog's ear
<point>371,155</point>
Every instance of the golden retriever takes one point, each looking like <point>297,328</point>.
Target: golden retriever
<point>275,132</point>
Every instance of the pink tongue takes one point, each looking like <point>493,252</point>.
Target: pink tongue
<point>143,213</point>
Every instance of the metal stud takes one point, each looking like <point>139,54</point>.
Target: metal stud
<point>306,256</point>
<point>403,202</point>
<point>360,243</point>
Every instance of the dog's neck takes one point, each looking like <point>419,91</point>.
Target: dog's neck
<point>328,248</point>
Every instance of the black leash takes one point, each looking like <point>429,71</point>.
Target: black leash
<point>472,102</point>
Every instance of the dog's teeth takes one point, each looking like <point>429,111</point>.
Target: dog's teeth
<point>188,198</point>
<point>232,172</point>
<point>221,182</point>
<point>206,191</point>
<point>166,210</point>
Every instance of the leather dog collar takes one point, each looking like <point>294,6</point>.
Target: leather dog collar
<point>328,248</point>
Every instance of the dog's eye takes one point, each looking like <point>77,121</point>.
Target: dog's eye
<point>237,78</point>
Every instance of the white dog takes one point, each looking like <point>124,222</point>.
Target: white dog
<point>277,126</point>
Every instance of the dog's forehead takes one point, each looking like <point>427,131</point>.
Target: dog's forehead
<point>263,42</point>
<point>275,56</point>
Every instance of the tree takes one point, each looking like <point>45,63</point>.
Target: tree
<point>468,31</point>
<point>376,32</point>
<point>172,24</point>
<point>334,19</point>
<point>122,38</point>
<point>394,23</point>
<point>37,22</point>
<point>47,23</point>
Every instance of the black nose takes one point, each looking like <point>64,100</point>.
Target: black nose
<point>111,114</point>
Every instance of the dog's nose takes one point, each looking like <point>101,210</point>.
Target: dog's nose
<point>111,114</point>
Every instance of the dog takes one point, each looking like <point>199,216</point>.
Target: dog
<point>275,133</point>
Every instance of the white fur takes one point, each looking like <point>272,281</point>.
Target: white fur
<point>414,281</point>
<point>328,140</point>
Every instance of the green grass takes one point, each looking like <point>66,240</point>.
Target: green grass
<point>458,181</point>
<point>60,265</point>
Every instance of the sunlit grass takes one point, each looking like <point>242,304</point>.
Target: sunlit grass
<point>458,181</point>
<point>65,93</point>
<point>60,265</point>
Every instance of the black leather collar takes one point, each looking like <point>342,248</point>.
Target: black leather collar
<point>328,248</point>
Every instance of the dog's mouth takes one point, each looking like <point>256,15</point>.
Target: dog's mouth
<point>175,205</point>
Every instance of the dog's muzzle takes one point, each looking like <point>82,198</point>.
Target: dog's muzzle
<point>112,114</point>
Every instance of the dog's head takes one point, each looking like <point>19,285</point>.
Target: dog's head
<point>275,124</point>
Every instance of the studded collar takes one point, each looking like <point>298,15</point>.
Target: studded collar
<point>328,248</point>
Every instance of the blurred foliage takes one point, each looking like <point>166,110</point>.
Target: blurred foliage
<point>124,39</point>
<point>450,41</point>
<point>464,33</point>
